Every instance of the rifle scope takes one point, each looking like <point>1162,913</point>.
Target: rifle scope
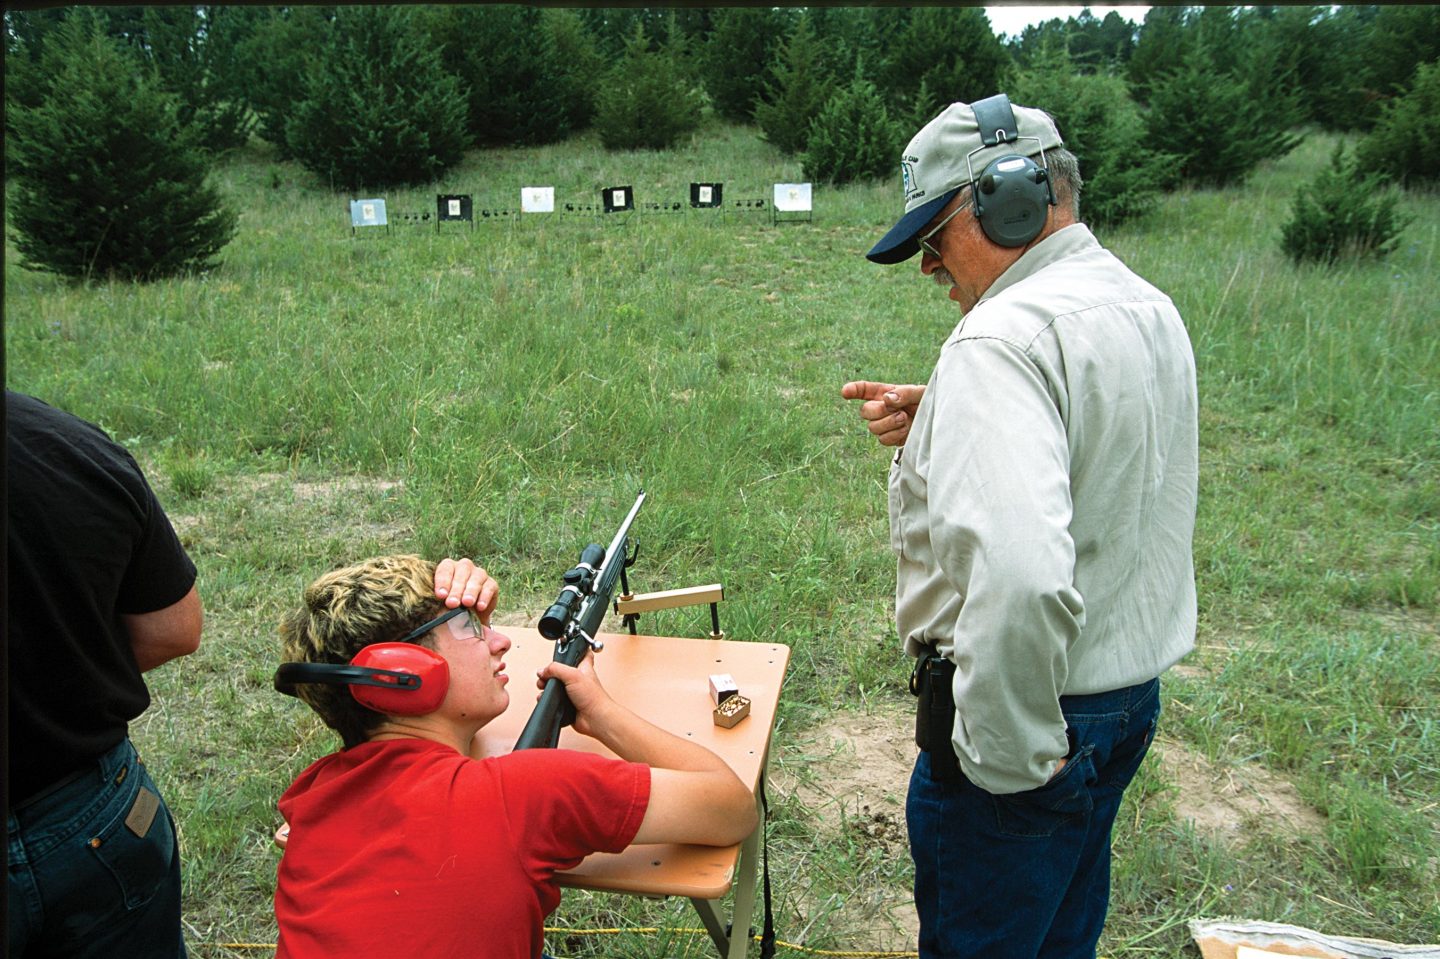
<point>579,583</point>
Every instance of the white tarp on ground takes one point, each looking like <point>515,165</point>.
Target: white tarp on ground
<point>1252,939</point>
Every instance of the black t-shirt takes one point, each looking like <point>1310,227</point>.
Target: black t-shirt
<point>87,541</point>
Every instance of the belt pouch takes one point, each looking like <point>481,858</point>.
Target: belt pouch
<point>932,682</point>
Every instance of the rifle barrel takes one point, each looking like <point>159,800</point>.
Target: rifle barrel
<point>553,710</point>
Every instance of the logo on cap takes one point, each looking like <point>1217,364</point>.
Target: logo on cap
<point>907,174</point>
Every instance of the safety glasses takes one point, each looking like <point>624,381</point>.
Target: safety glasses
<point>924,241</point>
<point>459,621</point>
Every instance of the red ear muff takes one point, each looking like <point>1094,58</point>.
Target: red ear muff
<point>400,679</point>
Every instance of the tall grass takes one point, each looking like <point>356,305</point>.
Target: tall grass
<point>503,391</point>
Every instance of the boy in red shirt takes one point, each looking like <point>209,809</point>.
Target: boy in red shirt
<point>402,845</point>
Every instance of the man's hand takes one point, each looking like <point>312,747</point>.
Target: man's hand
<point>462,583</point>
<point>887,409</point>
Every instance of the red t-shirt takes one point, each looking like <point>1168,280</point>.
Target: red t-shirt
<point>406,848</point>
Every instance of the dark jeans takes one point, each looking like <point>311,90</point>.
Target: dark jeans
<point>1028,875</point>
<point>81,882</point>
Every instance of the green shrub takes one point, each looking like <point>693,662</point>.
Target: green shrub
<point>853,137</point>
<point>1406,141</point>
<point>647,101</point>
<point>191,476</point>
<point>1342,213</point>
<point>376,107</point>
<point>107,180</point>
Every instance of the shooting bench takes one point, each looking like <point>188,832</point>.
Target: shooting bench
<point>666,680</point>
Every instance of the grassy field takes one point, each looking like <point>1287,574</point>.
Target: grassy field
<point>503,392</point>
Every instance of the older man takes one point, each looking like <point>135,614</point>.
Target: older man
<point>1042,506</point>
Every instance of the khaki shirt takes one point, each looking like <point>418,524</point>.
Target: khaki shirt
<point>1043,506</point>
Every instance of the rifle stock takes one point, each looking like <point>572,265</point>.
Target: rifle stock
<point>572,621</point>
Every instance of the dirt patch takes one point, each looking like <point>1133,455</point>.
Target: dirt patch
<point>515,618</point>
<point>259,504</point>
<point>854,769</point>
<point>324,489</point>
<point>346,484</point>
<point>857,763</point>
<point>186,525</point>
<point>861,766</point>
<point>1231,800</point>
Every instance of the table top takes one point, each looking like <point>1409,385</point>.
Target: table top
<point>665,680</point>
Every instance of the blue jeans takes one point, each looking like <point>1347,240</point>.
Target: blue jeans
<point>1027,875</point>
<point>82,883</point>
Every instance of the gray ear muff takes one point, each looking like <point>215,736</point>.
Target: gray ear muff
<point>1012,192</point>
<point>1011,197</point>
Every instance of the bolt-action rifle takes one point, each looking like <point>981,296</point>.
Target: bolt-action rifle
<point>572,622</point>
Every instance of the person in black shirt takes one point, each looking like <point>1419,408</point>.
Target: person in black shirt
<point>100,592</point>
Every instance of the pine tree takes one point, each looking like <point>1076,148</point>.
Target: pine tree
<point>844,34</point>
<point>183,43</point>
<point>1162,44</point>
<point>27,33</point>
<point>737,54</point>
<point>377,108</point>
<point>578,57</point>
<point>269,64</point>
<point>648,100</point>
<point>522,88</point>
<point>1406,141</point>
<point>1091,44</point>
<point>107,180</point>
<point>854,136</point>
<point>800,87</point>
<point>1305,51</point>
<point>1335,67</point>
<point>1103,127</point>
<point>1212,122</point>
<point>952,51</point>
<point>1402,37</point>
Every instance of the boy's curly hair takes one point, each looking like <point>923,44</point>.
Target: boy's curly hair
<point>375,601</point>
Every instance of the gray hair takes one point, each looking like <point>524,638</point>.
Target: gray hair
<point>1065,177</point>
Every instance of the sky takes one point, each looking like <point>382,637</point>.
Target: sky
<point>1013,18</point>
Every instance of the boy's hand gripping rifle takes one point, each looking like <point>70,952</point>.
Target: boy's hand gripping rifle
<point>572,621</point>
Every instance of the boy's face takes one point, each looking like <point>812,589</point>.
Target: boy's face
<point>477,668</point>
